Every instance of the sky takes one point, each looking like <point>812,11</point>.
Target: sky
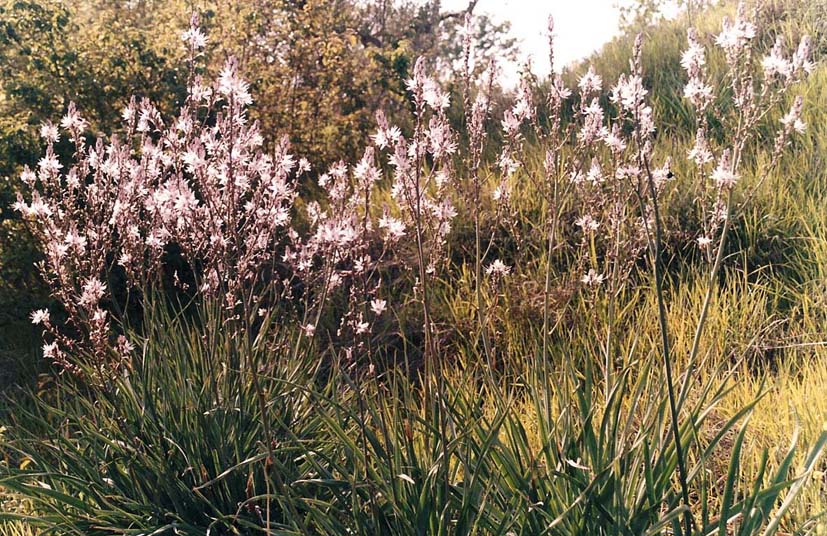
<point>580,28</point>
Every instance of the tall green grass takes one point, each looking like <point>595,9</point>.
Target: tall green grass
<point>179,445</point>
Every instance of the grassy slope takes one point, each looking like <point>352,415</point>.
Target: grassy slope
<point>771,311</point>
<point>773,307</point>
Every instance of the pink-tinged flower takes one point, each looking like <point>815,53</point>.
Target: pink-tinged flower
<point>361,327</point>
<point>28,177</point>
<point>595,173</point>
<point>704,242</point>
<point>801,57</point>
<point>50,350</point>
<point>498,269</point>
<point>75,241</point>
<point>41,316</point>
<point>123,346</point>
<point>511,124</point>
<point>507,165</point>
<point>724,176</point>
<point>629,92</point>
<point>49,132</point>
<point>93,291</point>
<point>499,193</point>
<point>590,82</point>
<point>378,306</point>
<point>592,278</point>
<point>592,122</point>
<point>49,166</point>
<point>613,139</point>
<point>559,92</point>
<point>775,64</point>
<point>523,108</point>
<point>693,58</point>
<point>72,120</point>
<point>793,118</point>
<point>700,152</point>
<point>194,38</point>
<point>736,34</point>
<point>309,329</point>
<point>365,171</point>
<point>698,93</point>
<point>434,96</point>
<point>587,223</point>
<point>304,165</point>
<point>232,86</point>
<point>128,113</point>
<point>800,126</point>
<point>440,138</point>
<point>663,174</point>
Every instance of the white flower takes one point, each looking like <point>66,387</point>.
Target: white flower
<point>232,86</point>
<point>72,120</point>
<point>49,165</point>
<point>735,34</point>
<point>592,278</point>
<point>434,96</point>
<point>194,38</point>
<point>590,82</point>
<point>394,228</point>
<point>793,117</point>
<point>775,65</point>
<point>587,223</point>
<point>700,153</point>
<point>613,139</point>
<point>50,350</point>
<point>49,132</point>
<point>378,306</point>
<point>93,291</point>
<point>510,123</point>
<point>361,327</point>
<point>498,269</point>
<point>663,174</point>
<point>309,329</point>
<point>40,316</point>
<point>697,92</point>
<point>704,242</point>
<point>595,174</point>
<point>693,58</point>
<point>629,92</point>
<point>724,176</point>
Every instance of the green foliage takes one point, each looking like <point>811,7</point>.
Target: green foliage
<point>183,442</point>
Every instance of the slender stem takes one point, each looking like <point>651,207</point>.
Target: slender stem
<point>713,274</point>
<point>667,360</point>
<point>486,343</point>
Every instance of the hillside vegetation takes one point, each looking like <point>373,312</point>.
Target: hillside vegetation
<point>597,305</point>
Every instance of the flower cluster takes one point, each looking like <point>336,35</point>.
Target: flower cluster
<point>199,185</point>
<point>194,201</point>
<point>753,99</point>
